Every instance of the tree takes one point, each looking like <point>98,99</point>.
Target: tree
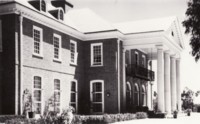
<point>187,98</point>
<point>192,25</point>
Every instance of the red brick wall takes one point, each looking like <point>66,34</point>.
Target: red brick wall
<point>107,72</point>
<point>46,67</point>
<point>8,62</point>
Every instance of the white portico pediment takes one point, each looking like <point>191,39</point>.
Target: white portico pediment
<point>148,34</point>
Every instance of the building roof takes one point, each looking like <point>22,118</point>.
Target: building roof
<point>141,26</point>
<point>85,20</point>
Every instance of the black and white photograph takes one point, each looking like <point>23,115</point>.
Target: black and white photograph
<point>99,61</point>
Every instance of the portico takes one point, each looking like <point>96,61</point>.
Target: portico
<point>161,40</point>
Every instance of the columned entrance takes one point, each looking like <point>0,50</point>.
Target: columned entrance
<point>163,44</point>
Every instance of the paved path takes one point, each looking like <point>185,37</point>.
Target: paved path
<point>193,119</point>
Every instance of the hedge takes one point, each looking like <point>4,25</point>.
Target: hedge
<point>80,119</point>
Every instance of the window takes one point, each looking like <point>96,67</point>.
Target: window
<point>61,14</point>
<point>73,100</point>
<point>43,6</point>
<point>57,47</point>
<point>128,96</point>
<point>143,61</point>
<point>96,54</point>
<point>73,52</point>
<point>143,95</point>
<point>37,37</point>
<point>136,58</point>
<point>37,94</point>
<point>97,96</point>
<point>57,95</point>
<point>136,95</point>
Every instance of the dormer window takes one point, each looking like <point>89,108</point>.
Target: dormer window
<point>61,14</point>
<point>38,4</point>
<point>43,6</point>
<point>172,33</point>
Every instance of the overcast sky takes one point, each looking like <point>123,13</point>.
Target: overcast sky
<point>130,10</point>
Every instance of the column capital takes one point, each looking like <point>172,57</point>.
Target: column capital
<point>167,51</point>
<point>159,47</point>
<point>173,56</point>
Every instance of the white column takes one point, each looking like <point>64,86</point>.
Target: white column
<point>178,84</point>
<point>124,80</point>
<point>167,82</point>
<point>173,83</point>
<point>160,79</point>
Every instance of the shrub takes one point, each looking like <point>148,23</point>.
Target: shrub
<point>102,119</point>
<point>141,115</point>
<point>4,118</point>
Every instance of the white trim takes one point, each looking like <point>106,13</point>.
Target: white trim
<point>61,9</point>
<point>138,93</point>
<point>59,59</point>
<point>41,6</point>
<point>75,52</point>
<point>129,85</point>
<point>42,96</point>
<point>92,54</point>
<point>76,93</point>
<point>57,91</point>
<point>138,61</point>
<point>144,60</point>
<point>91,95</point>
<point>41,41</point>
<point>145,95</point>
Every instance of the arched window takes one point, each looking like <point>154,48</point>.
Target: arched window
<point>37,94</point>
<point>73,100</point>
<point>128,95</point>
<point>57,95</point>
<point>143,95</point>
<point>43,6</point>
<point>136,95</point>
<point>97,96</point>
<point>61,14</point>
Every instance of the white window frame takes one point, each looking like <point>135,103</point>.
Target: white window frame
<point>145,96</point>
<point>128,86</point>
<point>41,5</point>
<point>76,95</point>
<point>138,94</point>
<point>59,49</point>
<point>40,54</point>
<point>59,14</point>
<point>144,61</point>
<point>41,102</point>
<point>74,60</point>
<point>91,94</point>
<point>137,62</point>
<point>54,90</point>
<point>92,54</point>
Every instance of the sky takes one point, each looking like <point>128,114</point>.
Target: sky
<point>115,11</point>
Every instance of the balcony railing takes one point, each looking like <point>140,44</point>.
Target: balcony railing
<point>140,72</point>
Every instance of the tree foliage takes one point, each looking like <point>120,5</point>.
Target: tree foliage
<point>192,25</point>
<point>187,98</point>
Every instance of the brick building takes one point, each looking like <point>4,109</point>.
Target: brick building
<point>86,63</point>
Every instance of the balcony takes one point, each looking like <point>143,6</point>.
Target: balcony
<point>140,72</point>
